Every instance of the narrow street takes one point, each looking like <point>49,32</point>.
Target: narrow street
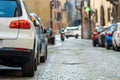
<point>73,59</point>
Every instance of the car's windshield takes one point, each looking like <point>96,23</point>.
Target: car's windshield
<point>76,22</point>
<point>113,27</point>
<point>119,27</point>
<point>8,8</point>
<point>99,29</point>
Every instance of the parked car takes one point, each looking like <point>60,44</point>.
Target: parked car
<point>42,46</point>
<point>50,36</point>
<point>101,37</point>
<point>18,40</point>
<point>116,38</point>
<point>73,31</point>
<point>108,36</point>
<point>95,35</point>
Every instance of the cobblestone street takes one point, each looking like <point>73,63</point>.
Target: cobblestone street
<point>74,59</point>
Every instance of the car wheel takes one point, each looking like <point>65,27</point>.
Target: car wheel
<point>38,57</point>
<point>116,48</point>
<point>99,44</point>
<point>46,52</point>
<point>35,65</point>
<point>67,37</point>
<point>113,48</point>
<point>94,44</point>
<point>28,68</point>
<point>76,36</point>
<point>53,41</point>
<point>106,45</point>
<point>43,58</point>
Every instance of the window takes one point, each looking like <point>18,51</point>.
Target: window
<point>76,22</point>
<point>108,14</point>
<point>96,16</point>
<point>59,16</point>
<point>118,27</point>
<point>8,8</point>
<point>113,27</point>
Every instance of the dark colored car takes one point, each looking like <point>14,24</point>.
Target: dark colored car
<point>50,36</point>
<point>95,36</point>
<point>101,37</point>
<point>108,36</point>
<point>41,31</point>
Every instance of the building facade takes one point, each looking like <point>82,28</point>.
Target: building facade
<point>100,13</point>
<point>57,15</point>
<point>115,10</point>
<point>41,8</point>
<point>95,13</point>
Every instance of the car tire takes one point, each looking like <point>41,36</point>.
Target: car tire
<point>28,68</point>
<point>44,58</point>
<point>67,37</point>
<point>76,36</point>
<point>38,57</point>
<point>46,52</point>
<point>116,48</point>
<point>99,44</point>
<point>35,65</point>
<point>53,41</point>
<point>106,45</point>
<point>94,44</point>
<point>113,48</point>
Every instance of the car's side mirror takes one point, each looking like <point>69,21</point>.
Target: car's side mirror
<point>36,23</point>
<point>44,31</point>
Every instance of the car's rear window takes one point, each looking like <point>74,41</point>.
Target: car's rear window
<point>113,27</point>
<point>119,27</point>
<point>8,8</point>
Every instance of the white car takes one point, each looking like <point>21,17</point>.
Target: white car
<point>116,38</point>
<point>73,31</point>
<point>18,41</point>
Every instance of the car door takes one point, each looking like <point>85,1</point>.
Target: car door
<point>9,15</point>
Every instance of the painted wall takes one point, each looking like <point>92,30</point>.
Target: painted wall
<point>41,8</point>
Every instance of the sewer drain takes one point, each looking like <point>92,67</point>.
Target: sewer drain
<point>74,63</point>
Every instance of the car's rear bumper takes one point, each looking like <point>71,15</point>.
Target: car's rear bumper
<point>14,58</point>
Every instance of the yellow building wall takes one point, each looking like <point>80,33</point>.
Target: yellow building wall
<point>64,15</point>
<point>96,4</point>
<point>41,8</point>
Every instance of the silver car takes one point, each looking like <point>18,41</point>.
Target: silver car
<point>116,38</point>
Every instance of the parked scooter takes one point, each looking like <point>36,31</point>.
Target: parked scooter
<point>62,35</point>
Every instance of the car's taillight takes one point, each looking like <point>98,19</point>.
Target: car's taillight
<point>118,35</point>
<point>63,35</point>
<point>20,49</point>
<point>109,33</point>
<point>95,33</point>
<point>98,32</point>
<point>20,24</point>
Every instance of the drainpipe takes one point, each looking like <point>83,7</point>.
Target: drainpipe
<point>51,5</point>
